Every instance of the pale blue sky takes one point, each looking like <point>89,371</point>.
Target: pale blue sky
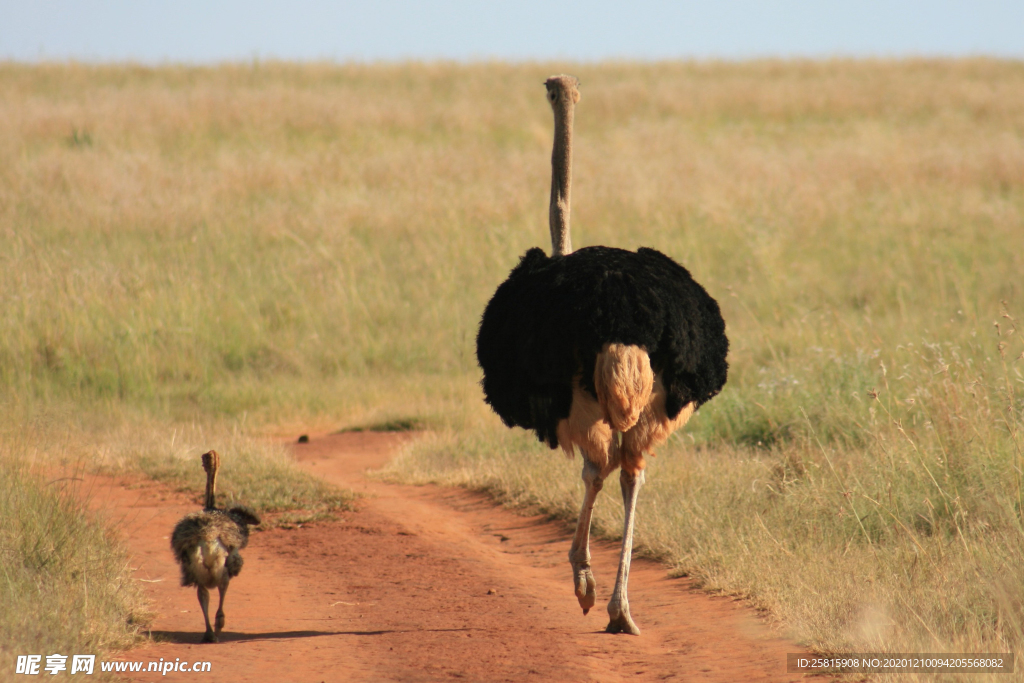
<point>204,31</point>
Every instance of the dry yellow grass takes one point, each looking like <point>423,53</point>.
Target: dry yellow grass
<point>271,244</point>
<point>66,584</point>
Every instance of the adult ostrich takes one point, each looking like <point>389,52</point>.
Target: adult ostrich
<point>604,349</point>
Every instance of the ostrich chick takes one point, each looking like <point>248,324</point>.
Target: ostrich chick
<point>206,545</point>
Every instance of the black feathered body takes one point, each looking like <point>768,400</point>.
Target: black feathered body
<point>207,544</point>
<point>543,329</point>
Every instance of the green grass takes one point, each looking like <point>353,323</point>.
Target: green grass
<point>398,424</point>
<point>265,246</point>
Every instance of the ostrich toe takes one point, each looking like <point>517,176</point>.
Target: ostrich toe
<point>586,587</point>
<point>621,622</point>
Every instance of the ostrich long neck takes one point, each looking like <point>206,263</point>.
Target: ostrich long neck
<point>561,181</point>
<point>211,489</point>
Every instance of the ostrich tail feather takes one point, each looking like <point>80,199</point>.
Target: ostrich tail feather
<point>624,380</point>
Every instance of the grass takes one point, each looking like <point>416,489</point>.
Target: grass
<point>262,246</point>
<point>398,424</point>
<point>65,587</point>
<point>255,471</point>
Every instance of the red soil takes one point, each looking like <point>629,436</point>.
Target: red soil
<point>425,584</point>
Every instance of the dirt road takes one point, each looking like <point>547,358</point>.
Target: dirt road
<point>425,584</point>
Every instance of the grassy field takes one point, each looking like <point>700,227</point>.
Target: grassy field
<point>266,247</point>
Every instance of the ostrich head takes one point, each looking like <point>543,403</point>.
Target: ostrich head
<point>563,94</point>
<point>563,91</point>
<point>211,462</point>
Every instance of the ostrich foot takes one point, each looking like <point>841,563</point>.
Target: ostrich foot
<point>621,622</point>
<point>209,637</point>
<point>586,587</point>
<point>219,622</point>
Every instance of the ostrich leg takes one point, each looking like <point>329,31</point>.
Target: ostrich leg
<point>204,602</point>
<point>579,553</point>
<point>618,606</point>
<point>219,623</point>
